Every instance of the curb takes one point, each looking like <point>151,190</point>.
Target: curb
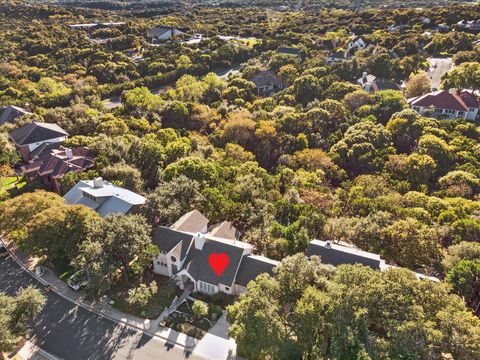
<point>90,308</point>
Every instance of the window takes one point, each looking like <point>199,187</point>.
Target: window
<point>173,258</point>
<point>227,288</point>
<point>461,113</point>
<point>159,263</point>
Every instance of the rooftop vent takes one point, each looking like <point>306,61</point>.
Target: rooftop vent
<point>69,154</point>
<point>328,244</point>
<point>98,182</point>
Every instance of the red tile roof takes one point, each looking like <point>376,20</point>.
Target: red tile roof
<point>443,99</point>
<point>56,163</point>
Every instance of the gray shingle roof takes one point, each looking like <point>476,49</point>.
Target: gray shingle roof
<point>224,230</point>
<point>266,78</point>
<point>289,51</point>
<point>36,132</point>
<point>166,239</point>
<point>336,254</point>
<point>198,267</point>
<point>252,266</point>
<point>193,222</point>
<point>10,113</point>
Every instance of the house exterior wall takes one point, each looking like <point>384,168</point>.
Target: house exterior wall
<point>33,146</point>
<point>206,288</point>
<point>450,114</point>
<point>162,264</point>
<point>472,114</point>
<point>238,290</point>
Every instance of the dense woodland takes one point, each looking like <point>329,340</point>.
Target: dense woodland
<point>320,159</point>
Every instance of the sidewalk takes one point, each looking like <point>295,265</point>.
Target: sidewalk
<point>78,297</point>
<point>215,345</point>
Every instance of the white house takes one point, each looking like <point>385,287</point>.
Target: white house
<point>103,197</point>
<point>162,33</point>
<point>186,250</point>
<point>356,43</point>
<point>447,104</point>
<point>29,137</point>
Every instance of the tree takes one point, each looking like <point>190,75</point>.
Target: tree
<point>142,294</point>
<point>418,85</point>
<point>464,278</point>
<point>171,199</point>
<point>124,174</point>
<point>58,231</point>
<point>363,149</point>
<point>309,310</point>
<point>18,211</point>
<point>464,76</point>
<point>411,243</point>
<point>15,313</point>
<point>200,309</point>
<point>115,243</point>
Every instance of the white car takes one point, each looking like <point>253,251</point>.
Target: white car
<point>77,281</point>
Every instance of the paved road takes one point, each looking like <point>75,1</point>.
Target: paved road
<point>438,67</point>
<point>71,332</point>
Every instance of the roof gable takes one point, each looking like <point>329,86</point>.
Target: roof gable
<point>193,221</point>
<point>36,132</point>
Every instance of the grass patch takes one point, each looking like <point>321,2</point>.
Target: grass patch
<point>7,182</point>
<point>161,300</point>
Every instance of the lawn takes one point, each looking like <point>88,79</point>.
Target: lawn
<point>160,301</point>
<point>12,185</point>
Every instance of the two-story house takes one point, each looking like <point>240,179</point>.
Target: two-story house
<point>186,249</point>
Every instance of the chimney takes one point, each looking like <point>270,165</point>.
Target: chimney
<point>328,244</point>
<point>98,182</point>
<point>69,153</point>
<point>199,240</point>
<point>364,76</point>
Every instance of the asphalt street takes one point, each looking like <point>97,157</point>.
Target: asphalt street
<point>71,332</point>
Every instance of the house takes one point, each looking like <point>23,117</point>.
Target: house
<point>49,163</point>
<point>339,56</point>
<point>104,197</point>
<point>267,82</point>
<point>371,83</point>
<point>356,43</point>
<point>470,25</point>
<point>447,104</point>
<point>186,250</point>
<point>9,113</point>
<point>289,51</point>
<point>29,137</point>
<point>162,33</point>
<point>341,253</point>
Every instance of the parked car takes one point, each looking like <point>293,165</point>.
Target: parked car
<point>78,281</point>
<point>3,250</point>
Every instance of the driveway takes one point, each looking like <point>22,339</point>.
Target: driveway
<point>71,332</point>
<point>216,344</point>
<point>438,67</point>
